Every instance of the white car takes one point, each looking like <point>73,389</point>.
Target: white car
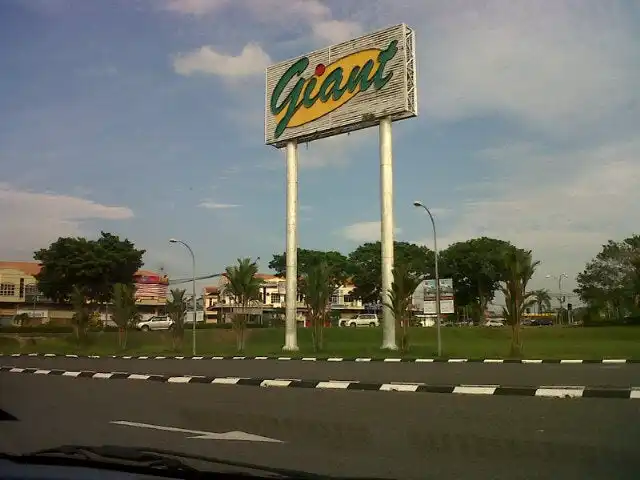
<point>155,323</point>
<point>361,320</point>
<point>494,323</point>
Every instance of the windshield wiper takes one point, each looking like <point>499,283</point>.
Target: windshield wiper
<point>162,461</point>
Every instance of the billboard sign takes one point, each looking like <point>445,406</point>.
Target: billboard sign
<point>342,88</point>
<point>429,287</point>
<point>425,296</point>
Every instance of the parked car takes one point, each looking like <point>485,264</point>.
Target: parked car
<point>494,323</point>
<point>540,322</point>
<point>361,320</point>
<point>155,323</point>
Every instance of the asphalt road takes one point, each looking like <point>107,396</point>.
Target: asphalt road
<point>394,435</point>
<point>625,375</point>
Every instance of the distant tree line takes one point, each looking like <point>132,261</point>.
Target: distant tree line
<point>610,282</point>
<point>477,267</point>
<point>91,273</point>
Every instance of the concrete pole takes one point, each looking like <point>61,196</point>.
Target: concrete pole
<point>386,230</point>
<point>438,314</point>
<point>291,296</point>
<point>195,304</point>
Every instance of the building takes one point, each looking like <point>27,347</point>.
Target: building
<point>19,295</point>
<point>272,299</point>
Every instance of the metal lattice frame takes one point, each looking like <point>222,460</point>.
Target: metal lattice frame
<point>411,82</point>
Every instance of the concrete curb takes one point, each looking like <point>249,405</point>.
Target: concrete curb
<point>486,390</point>
<point>337,359</point>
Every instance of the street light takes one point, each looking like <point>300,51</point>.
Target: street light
<point>562,275</point>
<point>435,251</point>
<point>193,261</point>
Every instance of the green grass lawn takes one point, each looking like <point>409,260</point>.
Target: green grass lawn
<point>465,342</point>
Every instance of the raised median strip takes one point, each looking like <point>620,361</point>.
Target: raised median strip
<point>486,390</point>
<point>568,361</point>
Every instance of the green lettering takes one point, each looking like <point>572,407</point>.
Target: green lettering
<point>360,76</point>
<point>307,99</point>
<point>292,101</point>
<point>330,88</point>
<point>379,80</point>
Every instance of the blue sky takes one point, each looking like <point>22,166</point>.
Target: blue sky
<point>145,118</point>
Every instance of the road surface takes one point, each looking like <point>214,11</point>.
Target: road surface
<point>623,375</point>
<point>394,435</point>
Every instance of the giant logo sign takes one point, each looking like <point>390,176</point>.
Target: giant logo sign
<point>342,88</point>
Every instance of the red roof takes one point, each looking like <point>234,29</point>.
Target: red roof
<point>211,290</point>
<point>28,268</point>
<point>266,276</point>
<point>33,268</point>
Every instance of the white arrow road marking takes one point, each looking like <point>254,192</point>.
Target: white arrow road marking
<point>199,434</point>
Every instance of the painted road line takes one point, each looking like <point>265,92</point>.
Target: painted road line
<point>199,434</point>
<point>551,391</point>
<point>475,389</point>
<point>568,361</point>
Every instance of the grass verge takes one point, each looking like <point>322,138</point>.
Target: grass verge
<point>469,342</point>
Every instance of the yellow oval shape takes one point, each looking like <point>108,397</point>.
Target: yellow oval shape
<point>319,108</point>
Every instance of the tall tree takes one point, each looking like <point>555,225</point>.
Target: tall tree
<point>318,284</point>
<point>244,286</point>
<point>92,266</point>
<point>125,310</point>
<point>611,281</point>
<point>476,267</point>
<point>365,266</point>
<point>543,300</point>
<point>519,267</point>
<point>177,310</point>
<point>307,259</point>
<point>404,285</point>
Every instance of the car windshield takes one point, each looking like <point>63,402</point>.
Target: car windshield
<point>373,239</point>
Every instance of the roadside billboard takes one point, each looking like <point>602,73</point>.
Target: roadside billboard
<point>425,296</point>
<point>342,88</point>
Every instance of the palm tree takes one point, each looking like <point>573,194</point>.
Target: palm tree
<point>543,299</point>
<point>125,311</point>
<point>244,287</point>
<point>400,301</point>
<point>82,314</point>
<point>317,286</point>
<point>519,268</point>
<point>177,309</point>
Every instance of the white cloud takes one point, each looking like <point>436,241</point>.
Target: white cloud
<point>544,66</point>
<point>335,31</point>
<point>251,61</point>
<point>211,205</point>
<point>562,206</point>
<point>195,7</point>
<point>364,231</point>
<point>314,14</point>
<point>31,220</point>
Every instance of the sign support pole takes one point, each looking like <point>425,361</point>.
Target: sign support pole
<point>291,332</point>
<point>386,227</point>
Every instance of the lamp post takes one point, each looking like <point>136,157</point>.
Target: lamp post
<point>435,251</point>
<point>560,277</point>
<point>193,262</point>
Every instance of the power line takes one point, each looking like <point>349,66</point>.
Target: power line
<point>178,281</point>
